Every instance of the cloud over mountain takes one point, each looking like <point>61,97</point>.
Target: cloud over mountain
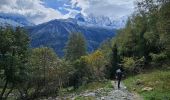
<point>109,8</point>
<point>39,11</point>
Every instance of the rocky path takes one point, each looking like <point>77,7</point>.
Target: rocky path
<point>103,94</point>
<point>120,94</point>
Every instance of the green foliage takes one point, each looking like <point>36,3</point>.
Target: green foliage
<point>106,48</point>
<point>145,41</point>
<point>48,73</point>
<point>158,59</point>
<point>80,75</point>
<point>96,65</point>
<point>129,63</point>
<point>42,62</point>
<point>164,25</point>
<point>145,36</point>
<point>13,58</point>
<point>88,69</point>
<point>75,47</point>
<point>6,40</point>
<point>114,61</point>
<point>133,65</point>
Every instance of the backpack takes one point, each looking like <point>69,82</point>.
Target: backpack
<point>118,71</point>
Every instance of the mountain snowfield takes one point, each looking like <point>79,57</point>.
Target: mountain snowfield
<point>101,21</point>
<point>15,20</point>
<point>55,33</point>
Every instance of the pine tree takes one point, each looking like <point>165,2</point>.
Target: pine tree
<point>75,47</point>
<point>114,60</point>
<point>13,48</point>
<point>164,15</point>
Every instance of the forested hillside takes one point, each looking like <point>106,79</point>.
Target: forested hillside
<point>143,46</point>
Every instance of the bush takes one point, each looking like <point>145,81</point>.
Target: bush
<point>134,65</point>
<point>129,63</point>
<point>158,59</point>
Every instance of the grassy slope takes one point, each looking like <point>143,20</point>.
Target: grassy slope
<point>159,80</point>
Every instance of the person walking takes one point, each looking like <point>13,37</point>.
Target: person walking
<point>119,74</point>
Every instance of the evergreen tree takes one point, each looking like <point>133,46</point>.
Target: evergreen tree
<point>114,61</point>
<point>164,25</point>
<point>75,47</point>
<point>13,48</point>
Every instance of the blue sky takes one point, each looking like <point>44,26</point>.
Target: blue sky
<point>39,11</point>
<point>58,5</point>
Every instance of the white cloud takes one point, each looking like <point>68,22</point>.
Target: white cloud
<point>84,4</point>
<point>72,13</point>
<point>34,10</point>
<point>110,8</point>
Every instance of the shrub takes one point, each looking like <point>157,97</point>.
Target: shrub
<point>158,59</point>
<point>134,65</point>
<point>129,63</point>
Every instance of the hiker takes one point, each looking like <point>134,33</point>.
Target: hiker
<point>119,74</point>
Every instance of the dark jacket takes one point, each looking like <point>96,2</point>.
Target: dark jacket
<point>119,73</point>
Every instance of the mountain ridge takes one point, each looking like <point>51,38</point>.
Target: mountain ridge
<point>55,34</point>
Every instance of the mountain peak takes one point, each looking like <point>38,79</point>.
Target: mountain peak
<point>80,17</point>
<point>100,21</point>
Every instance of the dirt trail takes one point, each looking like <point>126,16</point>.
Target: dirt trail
<point>104,94</point>
<point>120,94</point>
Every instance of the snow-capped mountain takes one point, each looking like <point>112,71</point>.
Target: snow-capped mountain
<point>10,19</point>
<point>100,21</point>
<point>55,34</point>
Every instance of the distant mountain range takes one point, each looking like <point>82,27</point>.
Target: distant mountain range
<point>55,33</point>
<point>100,21</point>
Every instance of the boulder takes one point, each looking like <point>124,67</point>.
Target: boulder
<point>147,89</point>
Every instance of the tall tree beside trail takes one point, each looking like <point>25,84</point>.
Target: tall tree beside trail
<point>114,61</point>
<point>43,67</point>
<point>42,60</point>
<point>164,26</point>
<point>156,15</point>
<point>96,65</point>
<point>6,40</point>
<point>13,51</point>
<point>75,47</point>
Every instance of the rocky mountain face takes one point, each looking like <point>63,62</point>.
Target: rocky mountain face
<point>55,34</point>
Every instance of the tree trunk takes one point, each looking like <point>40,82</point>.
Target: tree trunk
<point>6,96</point>
<point>4,89</point>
